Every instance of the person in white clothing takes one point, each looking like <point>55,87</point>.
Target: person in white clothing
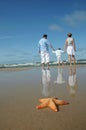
<point>43,47</point>
<point>58,53</point>
<point>70,48</point>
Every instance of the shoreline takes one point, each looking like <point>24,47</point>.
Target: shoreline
<point>32,67</point>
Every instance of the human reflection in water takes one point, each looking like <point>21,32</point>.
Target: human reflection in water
<point>72,81</point>
<point>60,79</point>
<point>46,81</point>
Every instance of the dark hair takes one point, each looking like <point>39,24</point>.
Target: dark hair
<point>59,48</point>
<point>69,34</point>
<point>45,35</point>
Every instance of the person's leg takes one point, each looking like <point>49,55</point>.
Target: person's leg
<point>73,56</point>
<point>43,66</point>
<point>47,60</point>
<point>58,60</point>
<point>69,59</point>
<point>70,53</point>
<point>43,60</point>
<point>48,66</point>
<point>61,61</point>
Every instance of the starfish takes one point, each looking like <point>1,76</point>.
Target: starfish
<point>52,103</point>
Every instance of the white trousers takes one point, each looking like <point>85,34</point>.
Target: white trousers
<point>59,59</point>
<point>45,57</point>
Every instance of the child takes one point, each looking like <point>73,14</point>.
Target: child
<point>58,53</point>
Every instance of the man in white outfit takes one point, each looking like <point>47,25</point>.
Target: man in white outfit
<point>70,48</point>
<point>43,46</point>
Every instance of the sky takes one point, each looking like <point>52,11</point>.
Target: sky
<point>23,23</point>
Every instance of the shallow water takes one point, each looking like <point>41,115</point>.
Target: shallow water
<point>21,90</point>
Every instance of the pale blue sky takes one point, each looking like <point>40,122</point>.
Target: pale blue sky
<point>23,22</point>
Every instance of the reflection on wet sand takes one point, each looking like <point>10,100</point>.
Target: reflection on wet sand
<point>72,84</point>
<point>60,79</point>
<point>46,81</point>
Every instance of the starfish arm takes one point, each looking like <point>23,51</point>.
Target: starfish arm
<point>52,105</point>
<point>60,102</point>
<point>43,104</point>
<point>44,99</point>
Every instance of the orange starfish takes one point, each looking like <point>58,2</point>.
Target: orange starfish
<point>52,103</point>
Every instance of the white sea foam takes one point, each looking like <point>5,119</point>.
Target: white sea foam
<point>35,64</point>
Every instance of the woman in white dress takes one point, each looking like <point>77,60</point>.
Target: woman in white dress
<point>70,48</point>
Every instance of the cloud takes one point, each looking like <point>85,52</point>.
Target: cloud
<point>76,18</point>
<point>5,37</point>
<point>55,27</point>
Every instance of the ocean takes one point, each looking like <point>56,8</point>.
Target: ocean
<point>37,64</point>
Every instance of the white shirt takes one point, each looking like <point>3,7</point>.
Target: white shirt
<point>58,52</point>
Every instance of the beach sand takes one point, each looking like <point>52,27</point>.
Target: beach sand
<point>21,90</point>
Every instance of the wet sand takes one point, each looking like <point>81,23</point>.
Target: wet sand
<point>21,90</point>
